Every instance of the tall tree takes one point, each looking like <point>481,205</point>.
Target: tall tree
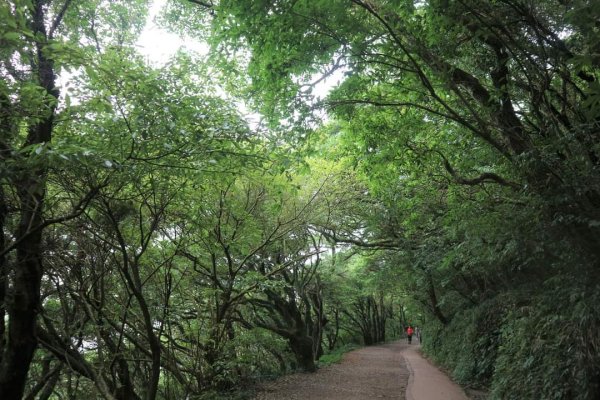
<point>29,33</point>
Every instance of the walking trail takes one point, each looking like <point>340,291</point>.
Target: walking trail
<point>391,371</point>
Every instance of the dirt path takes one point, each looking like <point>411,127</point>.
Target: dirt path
<point>376,372</point>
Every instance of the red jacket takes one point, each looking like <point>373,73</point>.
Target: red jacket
<point>409,331</point>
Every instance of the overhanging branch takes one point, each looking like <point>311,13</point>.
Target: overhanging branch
<point>486,177</point>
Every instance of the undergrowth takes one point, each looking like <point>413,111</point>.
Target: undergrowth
<point>335,356</point>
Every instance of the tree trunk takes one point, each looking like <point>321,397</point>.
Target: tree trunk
<point>332,337</point>
<point>3,275</point>
<point>435,307</point>
<point>21,342</point>
<point>23,301</point>
<point>302,347</point>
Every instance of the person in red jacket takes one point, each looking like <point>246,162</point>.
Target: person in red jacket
<point>409,333</point>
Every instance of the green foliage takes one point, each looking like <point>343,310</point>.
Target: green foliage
<point>468,346</point>
<point>547,349</point>
<point>183,253</point>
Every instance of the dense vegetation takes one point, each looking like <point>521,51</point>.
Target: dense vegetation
<point>157,245</point>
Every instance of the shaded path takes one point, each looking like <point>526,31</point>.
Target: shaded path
<point>376,372</point>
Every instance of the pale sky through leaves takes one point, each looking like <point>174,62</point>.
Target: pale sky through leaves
<point>158,44</point>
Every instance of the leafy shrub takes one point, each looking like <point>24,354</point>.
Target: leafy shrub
<point>541,343</point>
<point>550,349</point>
<point>468,345</point>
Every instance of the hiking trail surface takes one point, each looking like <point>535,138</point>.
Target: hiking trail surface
<point>391,371</point>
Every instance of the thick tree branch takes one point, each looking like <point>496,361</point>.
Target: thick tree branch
<point>202,3</point>
<point>331,235</point>
<point>58,19</point>
<point>50,340</point>
<point>77,210</point>
<point>483,178</point>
